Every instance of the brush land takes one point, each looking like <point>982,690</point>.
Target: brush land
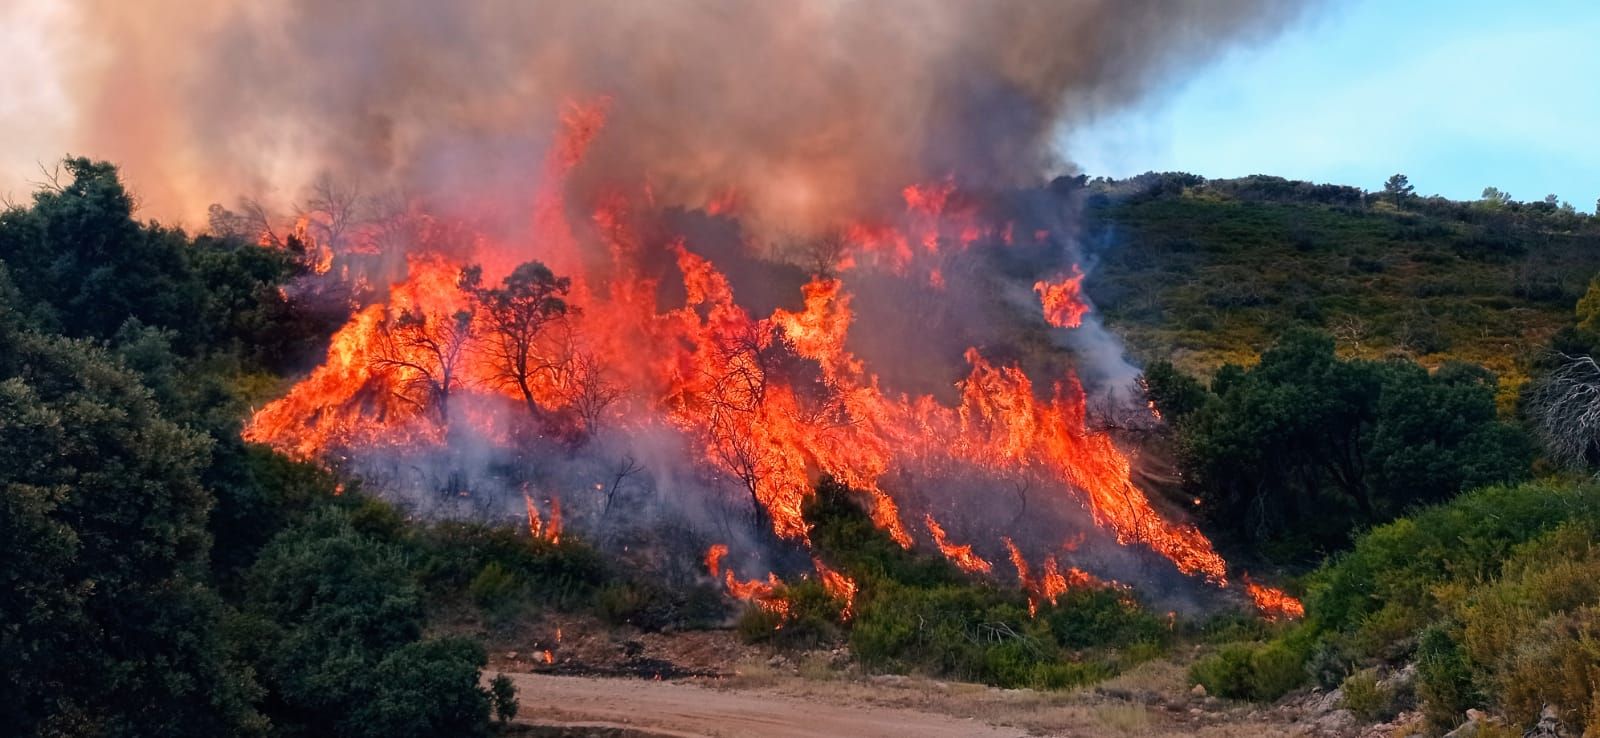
<point>1366,399</point>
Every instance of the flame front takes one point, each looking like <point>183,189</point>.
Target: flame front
<point>769,404</point>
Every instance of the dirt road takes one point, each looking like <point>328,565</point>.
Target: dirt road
<point>637,708</point>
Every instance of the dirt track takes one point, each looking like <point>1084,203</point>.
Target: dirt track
<point>631,708</point>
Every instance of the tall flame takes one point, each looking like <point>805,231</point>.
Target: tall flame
<point>768,403</point>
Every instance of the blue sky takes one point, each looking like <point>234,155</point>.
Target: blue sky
<point>1457,94</point>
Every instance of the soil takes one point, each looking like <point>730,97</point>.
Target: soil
<point>617,683</point>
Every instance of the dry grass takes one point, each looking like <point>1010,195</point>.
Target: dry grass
<point>1123,718</point>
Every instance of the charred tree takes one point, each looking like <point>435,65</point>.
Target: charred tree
<point>422,355</point>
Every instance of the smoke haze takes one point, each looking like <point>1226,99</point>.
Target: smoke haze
<point>813,111</point>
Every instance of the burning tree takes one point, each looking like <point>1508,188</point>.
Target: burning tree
<point>515,316</point>
<point>422,355</point>
<point>735,400</point>
<point>585,388</point>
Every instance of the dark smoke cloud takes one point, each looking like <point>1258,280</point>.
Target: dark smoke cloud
<point>816,111</point>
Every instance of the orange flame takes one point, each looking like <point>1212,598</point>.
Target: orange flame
<point>1052,582</point>
<point>762,594</point>
<point>838,586</point>
<point>722,377</point>
<point>549,531</point>
<point>1063,300</point>
<point>1274,604</point>
<point>962,556</point>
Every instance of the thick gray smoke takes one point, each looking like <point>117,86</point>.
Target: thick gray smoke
<point>815,111</point>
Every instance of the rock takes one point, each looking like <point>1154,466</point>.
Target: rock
<point>1199,691</point>
<point>890,680</point>
<point>777,662</point>
<point>1336,722</point>
<point>1322,704</point>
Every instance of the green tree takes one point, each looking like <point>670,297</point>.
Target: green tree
<point>106,625</point>
<point>1398,189</point>
<point>1174,393</point>
<point>335,619</point>
<point>1308,446</point>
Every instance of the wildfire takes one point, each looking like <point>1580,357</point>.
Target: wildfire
<point>962,556</point>
<point>1052,582</point>
<point>1274,604</point>
<point>764,595</point>
<point>1063,300</point>
<point>838,585</point>
<point>769,403</point>
<point>538,528</point>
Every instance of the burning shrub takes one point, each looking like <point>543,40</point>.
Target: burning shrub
<point>917,612</point>
<point>812,616</point>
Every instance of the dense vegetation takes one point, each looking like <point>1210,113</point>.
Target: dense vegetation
<point>1354,386</point>
<point>1289,456</point>
<point>1492,596</point>
<point>1488,596</point>
<point>1204,273</point>
<point>126,350</point>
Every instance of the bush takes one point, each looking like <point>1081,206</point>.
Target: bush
<point>503,696</point>
<point>1365,697</point>
<point>1557,663</point>
<point>1399,566</point>
<point>1225,673</point>
<point>494,590</point>
<point>1444,679</point>
<point>1260,673</point>
<point>1276,669</point>
<point>1103,618</point>
<point>562,574</point>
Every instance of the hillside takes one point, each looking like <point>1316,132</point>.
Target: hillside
<point>1208,272</point>
<point>131,355</point>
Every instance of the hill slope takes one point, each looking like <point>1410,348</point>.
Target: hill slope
<point>1207,272</point>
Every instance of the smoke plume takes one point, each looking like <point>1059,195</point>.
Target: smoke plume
<point>813,111</point>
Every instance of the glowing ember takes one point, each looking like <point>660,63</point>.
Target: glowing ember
<point>962,555</point>
<point>1063,300</point>
<point>1274,604</point>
